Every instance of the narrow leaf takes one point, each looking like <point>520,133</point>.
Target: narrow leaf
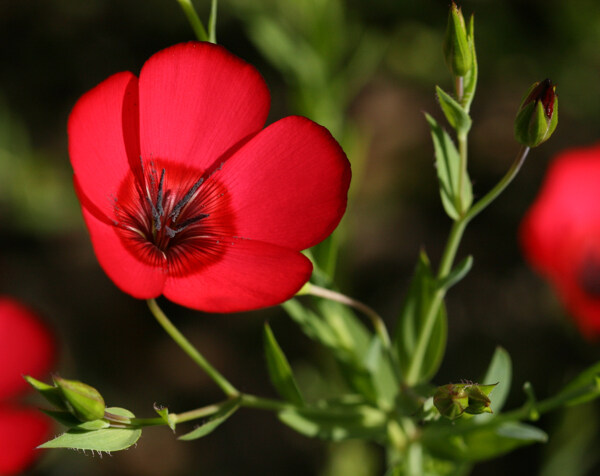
<point>457,274</point>
<point>412,318</point>
<point>337,423</point>
<point>163,412</point>
<point>214,422</point>
<point>52,394</point>
<point>499,370</point>
<point>280,371</point>
<point>457,117</point>
<point>447,162</point>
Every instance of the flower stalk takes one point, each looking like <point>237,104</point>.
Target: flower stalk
<point>190,350</point>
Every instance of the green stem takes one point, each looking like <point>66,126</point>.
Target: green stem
<point>456,233</point>
<point>190,350</point>
<point>375,318</point>
<point>462,171</point>
<point>500,186</point>
<point>195,22</point>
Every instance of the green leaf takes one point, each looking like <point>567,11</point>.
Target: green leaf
<point>457,117</point>
<point>215,421</point>
<point>477,442</point>
<point>52,394</point>
<point>412,318</point>
<point>340,331</point>
<point>447,162</point>
<point>107,439</point>
<point>163,412</point>
<point>385,383</point>
<point>499,370</point>
<point>70,420</point>
<point>310,323</point>
<point>457,274</point>
<point>280,371</point>
<point>470,81</point>
<point>583,388</point>
<point>337,422</point>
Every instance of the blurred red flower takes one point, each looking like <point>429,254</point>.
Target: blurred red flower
<point>26,348</point>
<point>560,234</point>
<point>185,194</point>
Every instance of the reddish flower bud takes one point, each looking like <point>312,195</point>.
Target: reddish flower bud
<point>538,115</point>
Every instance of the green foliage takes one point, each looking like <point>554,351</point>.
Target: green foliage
<point>337,420</point>
<point>107,439</point>
<point>214,422</point>
<point>447,161</point>
<point>163,412</point>
<point>500,371</point>
<point>412,318</point>
<point>280,371</point>
<point>456,115</point>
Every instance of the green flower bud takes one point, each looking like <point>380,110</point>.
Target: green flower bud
<point>451,400</point>
<point>83,401</point>
<point>538,115</point>
<point>458,51</point>
<point>479,400</point>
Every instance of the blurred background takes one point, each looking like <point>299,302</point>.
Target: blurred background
<point>366,70</point>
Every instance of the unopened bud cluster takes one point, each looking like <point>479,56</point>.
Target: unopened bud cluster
<point>455,399</point>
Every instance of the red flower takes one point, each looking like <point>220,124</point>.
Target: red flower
<point>26,347</point>
<point>561,234</point>
<point>184,194</point>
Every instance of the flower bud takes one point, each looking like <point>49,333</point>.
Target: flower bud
<point>84,402</point>
<point>479,400</point>
<point>458,51</point>
<point>451,400</point>
<point>538,115</point>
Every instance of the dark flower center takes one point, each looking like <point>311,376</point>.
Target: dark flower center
<point>589,276</point>
<point>172,217</point>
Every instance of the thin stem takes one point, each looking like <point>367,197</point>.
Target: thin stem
<point>195,22</point>
<point>199,412</point>
<point>456,233</point>
<point>190,350</point>
<point>462,171</point>
<point>500,186</point>
<point>375,318</point>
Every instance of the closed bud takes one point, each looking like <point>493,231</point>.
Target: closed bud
<point>458,51</point>
<point>538,115</point>
<point>84,401</point>
<point>479,400</point>
<point>451,400</point>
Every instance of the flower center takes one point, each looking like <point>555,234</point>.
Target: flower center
<point>589,276</point>
<point>172,217</point>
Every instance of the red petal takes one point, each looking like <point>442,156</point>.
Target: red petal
<point>288,185</point>
<point>250,275</point>
<point>132,276</point>
<point>103,138</point>
<point>26,347</point>
<point>196,101</point>
<point>21,431</point>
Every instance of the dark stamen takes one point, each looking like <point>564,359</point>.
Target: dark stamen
<point>159,198</point>
<point>183,202</point>
<point>171,232</point>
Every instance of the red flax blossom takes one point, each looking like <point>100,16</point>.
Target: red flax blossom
<point>186,195</point>
<point>561,234</point>
<point>26,347</point>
